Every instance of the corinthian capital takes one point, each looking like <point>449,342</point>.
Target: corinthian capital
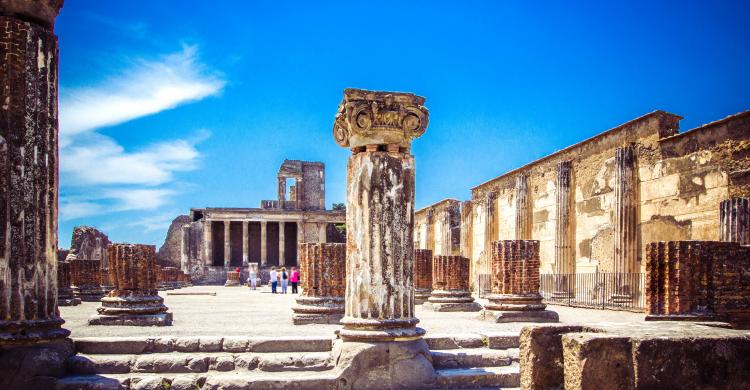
<point>379,118</point>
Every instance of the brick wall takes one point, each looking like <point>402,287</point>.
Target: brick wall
<point>423,269</point>
<point>85,272</point>
<point>132,267</point>
<point>515,267</point>
<point>322,269</point>
<point>450,273</point>
<point>703,278</point>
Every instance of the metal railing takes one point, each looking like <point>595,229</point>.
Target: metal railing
<point>484,285</point>
<point>601,290</point>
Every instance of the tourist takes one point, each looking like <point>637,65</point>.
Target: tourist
<point>274,280</point>
<point>252,278</point>
<point>239,271</point>
<point>284,280</point>
<point>294,279</point>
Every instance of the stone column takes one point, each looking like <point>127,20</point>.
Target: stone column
<point>86,279</point>
<point>263,249</point>
<point>430,239</point>
<point>379,318</point>
<point>734,220</point>
<point>282,191</point>
<point>300,232</point>
<point>134,300</point>
<point>625,224</point>
<point>515,284</point>
<point>207,239</point>
<point>322,232</point>
<point>28,173</point>
<point>523,208</point>
<point>245,244</point>
<point>185,249</point>
<point>563,255</point>
<point>490,234</point>
<point>450,285</point>
<point>282,241</point>
<point>422,275</point>
<point>323,271</point>
<point>227,244</point>
<point>64,292</point>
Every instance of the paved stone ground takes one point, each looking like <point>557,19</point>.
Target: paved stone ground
<point>237,311</point>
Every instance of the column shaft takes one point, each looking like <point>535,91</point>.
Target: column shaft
<point>625,255</point>
<point>523,208</point>
<point>227,244</point>
<point>282,243</point>
<point>208,244</point>
<point>734,220</point>
<point>263,249</point>
<point>245,243</point>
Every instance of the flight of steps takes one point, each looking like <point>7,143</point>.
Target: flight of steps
<point>461,361</point>
<point>464,361</point>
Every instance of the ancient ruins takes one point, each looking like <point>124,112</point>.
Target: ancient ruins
<point>220,239</point>
<point>639,199</point>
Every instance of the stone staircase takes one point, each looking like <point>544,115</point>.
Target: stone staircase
<point>461,361</point>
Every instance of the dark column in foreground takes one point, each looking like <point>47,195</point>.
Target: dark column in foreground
<point>33,345</point>
<point>134,300</point>
<point>515,284</point>
<point>323,271</point>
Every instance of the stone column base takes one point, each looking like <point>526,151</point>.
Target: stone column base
<point>683,317</point>
<point>318,310</point>
<point>232,283</point>
<point>374,330</point>
<point>384,365</point>
<point>441,300</point>
<point>88,293</point>
<point>421,295</point>
<point>519,316</point>
<point>65,298</point>
<point>136,310</point>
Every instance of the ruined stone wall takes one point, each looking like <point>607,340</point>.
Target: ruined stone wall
<point>679,181</point>
<point>89,243</point>
<point>170,253</point>
<point>438,227</point>
<point>313,186</point>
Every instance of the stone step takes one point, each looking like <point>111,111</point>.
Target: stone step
<point>476,357</point>
<point>494,340</point>
<point>225,381</point>
<point>199,362</point>
<point>479,377</point>
<point>139,345</point>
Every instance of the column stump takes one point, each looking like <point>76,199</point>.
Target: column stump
<point>323,270</point>
<point>135,300</point>
<point>515,284</point>
<point>450,285</point>
<point>65,295</point>
<point>233,279</point>
<point>86,279</point>
<point>104,281</point>
<point>422,275</point>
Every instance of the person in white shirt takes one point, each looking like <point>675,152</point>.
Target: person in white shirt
<point>274,280</point>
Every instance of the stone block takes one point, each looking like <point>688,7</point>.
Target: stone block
<point>541,355</point>
<point>595,361</point>
<point>519,316</point>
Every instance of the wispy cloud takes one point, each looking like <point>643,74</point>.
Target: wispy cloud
<point>100,176</point>
<point>147,87</point>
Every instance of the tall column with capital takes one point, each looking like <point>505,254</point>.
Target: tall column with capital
<point>625,222</point>
<point>564,266</point>
<point>245,243</point>
<point>282,243</point>
<point>30,323</point>
<point>379,127</point>
<point>227,244</point>
<point>263,248</point>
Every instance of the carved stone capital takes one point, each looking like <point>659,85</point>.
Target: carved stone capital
<point>379,118</point>
<point>40,11</point>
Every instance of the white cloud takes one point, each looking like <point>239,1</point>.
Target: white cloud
<point>147,88</point>
<point>153,223</point>
<point>99,160</point>
<point>73,209</point>
<point>140,199</point>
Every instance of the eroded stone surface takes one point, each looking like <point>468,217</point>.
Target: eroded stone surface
<point>450,285</point>
<point>323,272</point>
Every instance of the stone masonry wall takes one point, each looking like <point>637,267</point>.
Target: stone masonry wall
<point>450,273</point>
<point>423,269</point>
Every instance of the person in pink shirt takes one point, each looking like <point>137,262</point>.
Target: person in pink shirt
<point>294,279</point>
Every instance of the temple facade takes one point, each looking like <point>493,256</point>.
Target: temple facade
<point>220,238</point>
<point>595,205</point>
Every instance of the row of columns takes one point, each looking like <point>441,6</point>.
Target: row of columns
<point>208,239</point>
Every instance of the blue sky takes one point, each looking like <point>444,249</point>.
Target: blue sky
<point>167,105</point>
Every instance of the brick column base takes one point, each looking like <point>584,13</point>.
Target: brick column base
<point>233,279</point>
<point>450,285</point>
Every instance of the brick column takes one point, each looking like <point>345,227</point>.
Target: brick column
<point>263,248</point>
<point>134,300</point>
<point>450,285</point>
<point>523,208</point>
<point>734,220</point>
<point>564,267</point>
<point>64,292</point>
<point>86,279</point>
<point>625,224</point>
<point>282,243</point>
<point>323,271</point>
<point>422,275</point>
<point>515,284</point>
<point>105,284</point>
<point>227,244</point>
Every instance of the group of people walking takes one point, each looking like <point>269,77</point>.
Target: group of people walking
<point>278,278</point>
